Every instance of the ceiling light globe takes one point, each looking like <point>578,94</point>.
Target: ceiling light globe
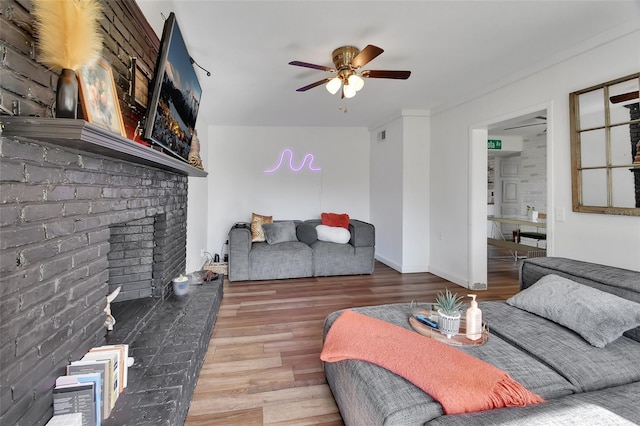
<point>356,82</point>
<point>349,92</point>
<point>334,85</point>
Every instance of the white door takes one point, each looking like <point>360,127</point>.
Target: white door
<point>510,192</point>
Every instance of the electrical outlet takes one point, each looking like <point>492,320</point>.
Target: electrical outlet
<point>203,253</point>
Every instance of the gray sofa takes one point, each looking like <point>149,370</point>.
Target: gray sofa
<point>581,383</point>
<point>295,259</point>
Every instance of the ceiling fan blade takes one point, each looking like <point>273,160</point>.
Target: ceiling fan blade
<point>624,97</point>
<point>398,75</point>
<point>365,56</point>
<point>525,125</point>
<point>314,66</point>
<point>312,85</point>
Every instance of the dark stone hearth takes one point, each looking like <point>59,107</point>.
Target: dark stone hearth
<point>131,316</point>
<point>169,344</point>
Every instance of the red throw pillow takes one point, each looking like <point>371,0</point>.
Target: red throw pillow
<point>335,219</point>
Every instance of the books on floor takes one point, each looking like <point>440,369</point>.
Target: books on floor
<point>123,355</point>
<point>73,419</point>
<point>114,372</point>
<point>76,398</point>
<point>105,369</point>
<point>75,380</point>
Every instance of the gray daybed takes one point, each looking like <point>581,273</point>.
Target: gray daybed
<point>301,257</point>
<point>581,383</point>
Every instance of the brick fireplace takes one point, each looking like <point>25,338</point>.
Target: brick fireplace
<point>74,225</point>
<point>81,211</point>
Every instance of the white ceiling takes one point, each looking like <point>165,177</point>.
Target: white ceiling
<point>456,50</point>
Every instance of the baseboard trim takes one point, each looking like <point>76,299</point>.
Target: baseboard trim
<point>388,262</point>
<point>450,277</point>
<point>412,269</point>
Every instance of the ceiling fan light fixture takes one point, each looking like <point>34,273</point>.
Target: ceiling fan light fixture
<point>349,92</point>
<point>348,60</point>
<point>334,85</point>
<point>356,82</point>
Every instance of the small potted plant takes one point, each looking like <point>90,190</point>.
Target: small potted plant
<point>449,312</point>
<point>181,285</point>
<point>532,214</point>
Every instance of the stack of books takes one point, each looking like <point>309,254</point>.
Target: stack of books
<point>92,385</point>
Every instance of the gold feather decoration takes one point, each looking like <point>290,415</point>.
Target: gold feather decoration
<point>68,32</point>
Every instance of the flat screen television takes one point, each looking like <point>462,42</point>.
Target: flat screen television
<point>175,95</point>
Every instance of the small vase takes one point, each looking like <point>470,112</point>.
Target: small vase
<point>448,325</point>
<point>67,94</point>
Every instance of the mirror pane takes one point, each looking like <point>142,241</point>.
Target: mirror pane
<point>591,107</point>
<point>593,150</point>
<point>594,187</point>
<point>623,188</point>
<point>621,145</point>
<point>622,97</point>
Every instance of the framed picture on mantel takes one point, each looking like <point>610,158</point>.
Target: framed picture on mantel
<point>99,97</point>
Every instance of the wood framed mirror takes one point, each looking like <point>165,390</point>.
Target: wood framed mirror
<point>605,147</point>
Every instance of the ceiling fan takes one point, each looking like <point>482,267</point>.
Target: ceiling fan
<point>348,60</point>
<point>522,125</point>
<point>624,97</point>
<point>531,124</point>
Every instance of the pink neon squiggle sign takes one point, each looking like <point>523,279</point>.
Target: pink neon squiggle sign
<point>309,157</point>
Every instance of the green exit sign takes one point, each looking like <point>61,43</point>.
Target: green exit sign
<point>494,144</point>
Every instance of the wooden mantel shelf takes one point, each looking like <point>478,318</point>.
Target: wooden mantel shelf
<point>83,136</point>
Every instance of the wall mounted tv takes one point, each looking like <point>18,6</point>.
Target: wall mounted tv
<point>175,95</point>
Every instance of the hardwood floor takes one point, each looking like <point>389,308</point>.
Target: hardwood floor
<point>263,367</point>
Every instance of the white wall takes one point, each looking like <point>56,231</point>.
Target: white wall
<point>415,201</point>
<point>399,191</point>
<point>611,240</point>
<point>197,211</point>
<point>386,192</point>
<point>449,206</point>
<point>238,185</point>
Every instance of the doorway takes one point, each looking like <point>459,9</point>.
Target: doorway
<point>515,166</point>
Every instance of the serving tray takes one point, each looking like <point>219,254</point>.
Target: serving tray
<point>459,339</point>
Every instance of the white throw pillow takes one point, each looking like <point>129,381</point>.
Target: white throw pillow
<point>333,234</point>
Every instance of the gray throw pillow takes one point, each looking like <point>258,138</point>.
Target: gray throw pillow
<point>279,232</point>
<point>599,317</point>
<point>307,233</point>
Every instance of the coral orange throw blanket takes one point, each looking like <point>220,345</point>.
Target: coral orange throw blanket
<point>457,380</point>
